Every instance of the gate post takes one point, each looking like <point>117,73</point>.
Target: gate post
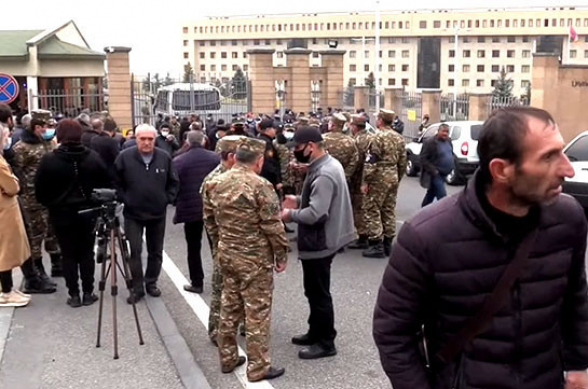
<point>431,105</point>
<point>362,94</point>
<point>479,104</point>
<point>262,85</point>
<point>120,100</point>
<point>393,99</point>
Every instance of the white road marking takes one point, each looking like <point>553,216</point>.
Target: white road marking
<point>201,311</point>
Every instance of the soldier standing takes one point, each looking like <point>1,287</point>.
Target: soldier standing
<point>35,142</point>
<point>226,148</point>
<point>246,222</point>
<point>362,140</point>
<point>340,146</point>
<point>385,165</point>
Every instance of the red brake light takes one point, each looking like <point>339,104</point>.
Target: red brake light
<point>465,148</point>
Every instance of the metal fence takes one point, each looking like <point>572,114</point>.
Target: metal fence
<point>372,101</point>
<point>221,99</point>
<point>72,101</point>
<point>411,113</point>
<point>453,108</point>
<point>511,101</point>
<point>347,98</point>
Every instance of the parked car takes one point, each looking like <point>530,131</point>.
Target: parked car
<point>464,137</point>
<point>577,153</point>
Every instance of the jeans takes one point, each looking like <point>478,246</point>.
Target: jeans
<point>154,234</point>
<point>436,190</point>
<point>193,232</point>
<point>317,285</point>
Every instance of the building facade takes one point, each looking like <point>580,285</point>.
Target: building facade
<point>418,49</point>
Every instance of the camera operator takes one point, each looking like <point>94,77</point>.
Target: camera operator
<point>64,184</point>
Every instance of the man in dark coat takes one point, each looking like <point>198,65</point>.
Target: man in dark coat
<point>90,129</point>
<point>271,169</point>
<point>449,258</point>
<point>192,166</point>
<point>166,141</point>
<point>106,145</point>
<point>436,163</point>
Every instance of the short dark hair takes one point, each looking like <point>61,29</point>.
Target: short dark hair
<point>444,125</point>
<point>5,113</point>
<point>68,131</point>
<point>502,135</point>
<point>247,157</point>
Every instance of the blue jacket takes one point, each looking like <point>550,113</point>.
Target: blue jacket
<point>192,166</point>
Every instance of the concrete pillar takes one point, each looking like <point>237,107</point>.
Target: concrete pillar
<point>431,105</point>
<point>332,60</point>
<point>545,81</point>
<point>33,92</point>
<point>361,100</point>
<point>479,106</point>
<point>297,59</point>
<point>119,86</point>
<point>263,84</point>
<point>393,98</point>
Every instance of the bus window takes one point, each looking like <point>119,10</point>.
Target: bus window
<point>203,100</point>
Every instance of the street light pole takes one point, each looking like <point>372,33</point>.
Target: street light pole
<point>456,70</point>
<point>363,40</point>
<point>377,71</point>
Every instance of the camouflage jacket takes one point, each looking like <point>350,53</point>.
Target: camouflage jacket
<point>284,156</point>
<point>27,157</point>
<point>243,216</point>
<point>342,148</point>
<point>362,142</point>
<point>207,204</point>
<point>386,153</point>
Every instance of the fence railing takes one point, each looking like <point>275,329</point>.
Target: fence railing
<point>454,108</point>
<point>511,101</point>
<point>70,102</point>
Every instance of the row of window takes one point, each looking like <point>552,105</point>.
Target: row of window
<point>224,68</point>
<point>495,68</point>
<point>391,81</point>
<point>480,83</point>
<point>390,25</point>
<point>494,53</point>
<point>391,68</point>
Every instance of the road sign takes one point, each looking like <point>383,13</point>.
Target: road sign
<point>8,88</point>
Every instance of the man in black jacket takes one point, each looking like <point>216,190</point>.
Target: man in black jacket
<point>146,183</point>
<point>106,145</point>
<point>166,141</point>
<point>271,169</point>
<point>436,164</point>
<point>449,258</point>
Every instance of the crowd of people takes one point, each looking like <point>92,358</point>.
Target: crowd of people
<point>491,280</point>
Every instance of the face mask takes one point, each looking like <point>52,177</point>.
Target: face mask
<point>300,157</point>
<point>164,134</point>
<point>7,143</point>
<point>48,134</point>
<point>289,135</point>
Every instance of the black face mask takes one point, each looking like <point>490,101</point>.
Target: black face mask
<point>300,157</point>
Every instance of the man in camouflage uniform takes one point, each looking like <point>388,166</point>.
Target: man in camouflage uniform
<point>341,146</point>
<point>385,164</point>
<point>226,148</point>
<point>35,143</point>
<point>245,220</point>
<point>362,140</point>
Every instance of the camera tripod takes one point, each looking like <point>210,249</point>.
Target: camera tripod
<point>110,236</point>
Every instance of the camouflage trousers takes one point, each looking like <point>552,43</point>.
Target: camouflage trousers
<point>380,210</point>
<point>39,229</point>
<point>357,201</point>
<point>249,296</point>
<point>215,302</point>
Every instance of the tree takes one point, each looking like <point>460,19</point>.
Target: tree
<point>527,95</point>
<point>168,80</point>
<point>188,73</point>
<point>503,86</point>
<point>156,82</point>
<point>239,87</point>
<point>371,80</point>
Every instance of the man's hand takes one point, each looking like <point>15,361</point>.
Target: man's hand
<point>365,188</point>
<point>279,186</point>
<point>281,265</point>
<point>576,380</point>
<point>286,215</point>
<point>290,202</point>
<point>170,138</point>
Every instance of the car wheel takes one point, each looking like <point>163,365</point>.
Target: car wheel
<point>411,169</point>
<point>454,178</point>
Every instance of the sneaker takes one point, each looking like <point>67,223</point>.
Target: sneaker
<point>74,301</point>
<point>12,299</point>
<point>28,296</point>
<point>89,299</point>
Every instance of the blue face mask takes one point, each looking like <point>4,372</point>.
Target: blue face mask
<point>48,134</point>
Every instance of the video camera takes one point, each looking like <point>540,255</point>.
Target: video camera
<point>102,196</point>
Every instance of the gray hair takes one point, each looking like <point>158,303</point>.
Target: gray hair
<point>26,120</point>
<point>145,128</point>
<point>195,138</point>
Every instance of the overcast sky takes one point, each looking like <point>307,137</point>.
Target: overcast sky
<point>153,28</point>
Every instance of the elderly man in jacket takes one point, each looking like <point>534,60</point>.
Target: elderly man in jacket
<point>325,225</point>
<point>448,259</point>
<point>437,163</point>
<point>146,183</point>
<point>192,167</point>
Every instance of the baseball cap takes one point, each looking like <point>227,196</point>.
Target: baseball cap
<point>307,134</point>
<point>266,123</point>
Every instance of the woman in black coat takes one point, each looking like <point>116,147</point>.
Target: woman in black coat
<point>64,184</point>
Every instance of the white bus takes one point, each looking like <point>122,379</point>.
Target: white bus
<point>175,99</point>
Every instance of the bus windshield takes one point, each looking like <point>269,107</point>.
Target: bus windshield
<point>203,100</point>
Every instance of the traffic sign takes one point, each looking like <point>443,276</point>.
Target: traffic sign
<point>8,88</point>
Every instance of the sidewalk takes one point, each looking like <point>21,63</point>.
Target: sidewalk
<point>51,345</point>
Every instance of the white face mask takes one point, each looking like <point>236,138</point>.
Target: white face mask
<point>288,135</point>
<point>164,133</point>
<point>7,143</point>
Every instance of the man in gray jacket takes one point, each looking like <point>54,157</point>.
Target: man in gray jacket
<point>325,225</point>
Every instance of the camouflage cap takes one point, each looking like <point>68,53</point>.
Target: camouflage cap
<point>358,120</point>
<point>347,115</point>
<point>254,145</point>
<point>338,120</point>
<point>41,115</point>
<point>387,115</point>
<point>238,121</point>
<point>228,143</point>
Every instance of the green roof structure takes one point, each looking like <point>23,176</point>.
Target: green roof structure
<point>13,43</point>
<point>55,48</point>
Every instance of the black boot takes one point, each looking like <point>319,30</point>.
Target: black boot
<point>33,282</point>
<point>376,250</point>
<point>39,265</point>
<point>56,265</point>
<point>359,244</point>
<point>387,246</point>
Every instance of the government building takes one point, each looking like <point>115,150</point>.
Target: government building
<point>459,51</point>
